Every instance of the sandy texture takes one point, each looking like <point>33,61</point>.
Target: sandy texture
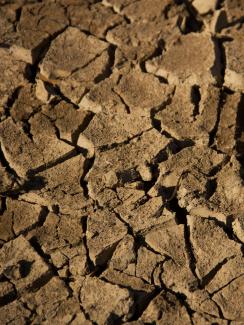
<point>121,162</point>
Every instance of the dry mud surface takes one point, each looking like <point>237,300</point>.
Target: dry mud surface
<point>121,162</point>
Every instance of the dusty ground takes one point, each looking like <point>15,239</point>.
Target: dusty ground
<point>121,162</point>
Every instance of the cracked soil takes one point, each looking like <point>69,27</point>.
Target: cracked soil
<point>121,162</point>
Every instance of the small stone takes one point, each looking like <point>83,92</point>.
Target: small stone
<point>204,7</point>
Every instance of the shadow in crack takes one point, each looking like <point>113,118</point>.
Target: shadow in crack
<point>240,134</point>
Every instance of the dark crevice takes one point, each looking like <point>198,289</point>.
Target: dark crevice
<point>3,206</point>
<point>214,131</point>
<point>219,66</point>
<point>39,53</point>
<point>154,169</point>
<point>7,166</point>
<point>211,187</point>
<point>195,98</point>
<point>26,126</point>
<point>142,301</point>
<point>127,108</point>
<point>9,297</point>
<point>53,163</point>
<point>32,183</point>
<point>82,127</point>
<point>88,164</point>
<point>181,218</point>
<point>155,122</point>
<point>54,90</point>
<point>180,213</point>
<point>11,100</point>
<point>226,285</point>
<point>193,22</point>
<point>41,219</point>
<point>90,264</point>
<point>157,52</point>
<point>109,67</point>
<point>209,277</point>
<point>240,132</point>
<point>114,145</point>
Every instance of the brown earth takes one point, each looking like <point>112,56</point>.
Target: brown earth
<point>121,162</point>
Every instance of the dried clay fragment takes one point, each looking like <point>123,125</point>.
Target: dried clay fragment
<point>75,69</point>
<point>112,302</point>
<point>21,264</point>
<point>234,72</point>
<point>198,49</point>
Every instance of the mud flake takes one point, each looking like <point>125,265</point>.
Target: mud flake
<point>142,91</point>
<point>21,264</point>
<point>206,235</point>
<point>123,162</point>
<point>104,232</point>
<point>199,49</point>
<point>104,302</point>
<point>234,72</point>
<point>71,70</point>
<point>61,186</point>
<point>67,119</point>
<point>37,24</point>
<point>190,117</point>
<point>230,299</point>
<point>146,264</point>
<point>205,7</point>
<point>34,150</point>
<point>165,309</point>
<point>14,313</point>
<point>96,19</point>
<point>124,256</point>
<point>238,227</point>
<point>12,74</point>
